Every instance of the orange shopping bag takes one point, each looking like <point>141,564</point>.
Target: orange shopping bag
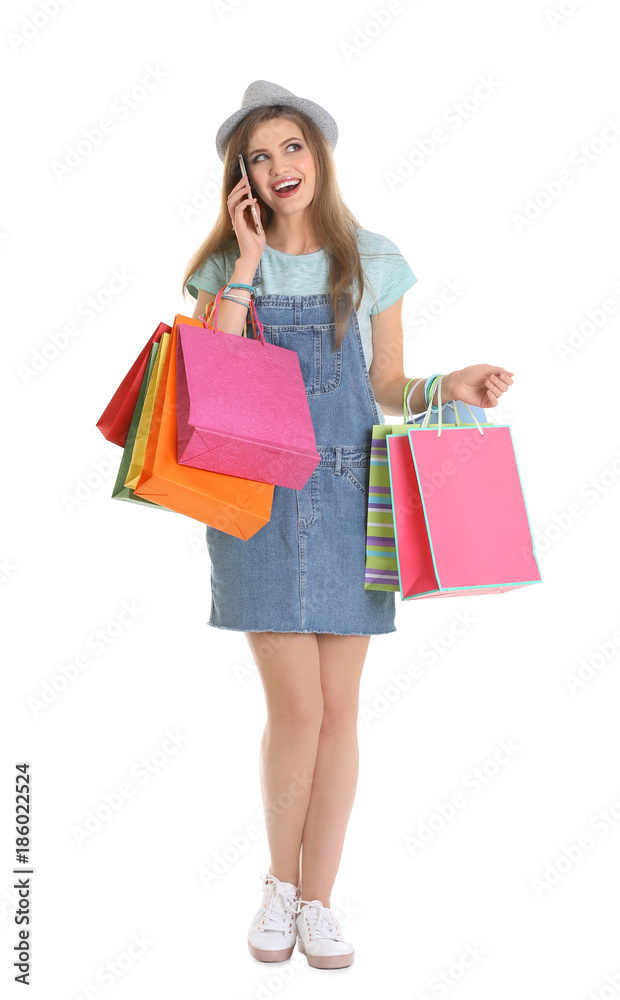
<point>236,506</point>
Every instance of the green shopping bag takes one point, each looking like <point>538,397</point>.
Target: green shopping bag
<point>120,491</point>
<point>381,571</point>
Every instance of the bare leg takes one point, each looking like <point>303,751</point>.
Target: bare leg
<point>337,763</point>
<point>288,664</point>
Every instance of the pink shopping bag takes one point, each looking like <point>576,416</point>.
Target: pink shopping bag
<point>242,408</point>
<point>460,520</point>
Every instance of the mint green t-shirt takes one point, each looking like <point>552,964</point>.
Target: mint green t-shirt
<point>386,273</point>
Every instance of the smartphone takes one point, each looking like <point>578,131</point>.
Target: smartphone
<point>252,207</point>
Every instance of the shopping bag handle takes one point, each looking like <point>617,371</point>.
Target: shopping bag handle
<point>253,317</point>
<point>407,408</point>
<point>408,395</point>
<point>427,416</point>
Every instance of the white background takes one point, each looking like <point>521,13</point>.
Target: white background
<point>496,876</point>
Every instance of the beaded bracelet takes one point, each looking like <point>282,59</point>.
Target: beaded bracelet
<point>239,300</point>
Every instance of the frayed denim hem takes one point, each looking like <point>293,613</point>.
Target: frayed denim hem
<point>292,631</point>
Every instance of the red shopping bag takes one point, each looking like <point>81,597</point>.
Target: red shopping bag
<point>115,421</point>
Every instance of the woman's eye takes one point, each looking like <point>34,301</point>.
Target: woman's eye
<point>258,156</point>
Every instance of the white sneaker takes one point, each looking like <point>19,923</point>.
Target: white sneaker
<point>319,937</point>
<point>271,937</point>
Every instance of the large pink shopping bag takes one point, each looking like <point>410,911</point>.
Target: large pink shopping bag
<point>381,571</point>
<point>460,520</point>
<point>242,408</point>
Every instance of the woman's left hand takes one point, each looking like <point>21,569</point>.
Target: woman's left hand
<point>478,385</point>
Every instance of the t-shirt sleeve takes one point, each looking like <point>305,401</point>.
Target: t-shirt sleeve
<point>392,276</point>
<point>210,276</point>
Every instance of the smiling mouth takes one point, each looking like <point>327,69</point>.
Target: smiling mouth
<point>288,189</point>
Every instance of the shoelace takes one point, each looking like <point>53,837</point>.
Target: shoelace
<point>277,905</point>
<point>322,920</point>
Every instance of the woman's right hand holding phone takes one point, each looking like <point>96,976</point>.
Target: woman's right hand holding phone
<point>251,243</point>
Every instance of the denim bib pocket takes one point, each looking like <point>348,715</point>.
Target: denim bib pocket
<point>321,366</point>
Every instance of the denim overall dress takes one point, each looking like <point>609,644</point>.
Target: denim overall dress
<point>303,571</point>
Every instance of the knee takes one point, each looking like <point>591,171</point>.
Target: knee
<point>338,721</point>
<point>299,718</point>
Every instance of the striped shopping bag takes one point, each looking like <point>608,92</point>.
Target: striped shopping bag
<point>381,564</point>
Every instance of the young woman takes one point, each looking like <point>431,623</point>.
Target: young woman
<point>331,291</point>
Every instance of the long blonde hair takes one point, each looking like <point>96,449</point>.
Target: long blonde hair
<point>332,223</point>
